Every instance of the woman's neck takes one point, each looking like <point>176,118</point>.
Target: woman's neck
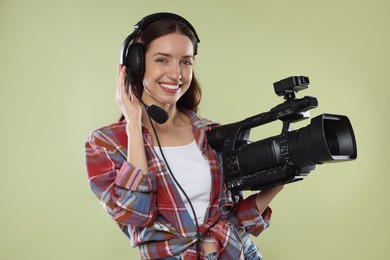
<point>176,131</point>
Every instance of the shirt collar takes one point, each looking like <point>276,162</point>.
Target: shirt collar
<point>198,121</point>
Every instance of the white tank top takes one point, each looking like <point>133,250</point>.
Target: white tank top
<point>192,171</point>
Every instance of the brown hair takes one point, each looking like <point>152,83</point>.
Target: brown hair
<point>191,98</point>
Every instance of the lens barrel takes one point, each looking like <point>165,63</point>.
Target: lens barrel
<point>328,138</point>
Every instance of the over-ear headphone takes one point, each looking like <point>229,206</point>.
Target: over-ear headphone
<point>133,54</point>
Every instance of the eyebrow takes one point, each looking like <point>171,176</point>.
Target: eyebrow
<point>169,55</point>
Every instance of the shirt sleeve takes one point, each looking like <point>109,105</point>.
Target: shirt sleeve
<point>126,193</point>
<point>250,218</point>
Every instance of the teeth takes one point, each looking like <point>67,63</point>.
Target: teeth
<point>169,86</point>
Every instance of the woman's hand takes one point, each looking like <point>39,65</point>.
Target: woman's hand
<point>128,104</point>
<point>132,111</point>
<point>264,197</point>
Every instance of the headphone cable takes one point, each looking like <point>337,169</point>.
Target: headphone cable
<point>199,234</point>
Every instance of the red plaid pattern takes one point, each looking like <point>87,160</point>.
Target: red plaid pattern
<point>148,207</point>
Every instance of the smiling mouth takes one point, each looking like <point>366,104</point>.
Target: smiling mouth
<point>170,86</point>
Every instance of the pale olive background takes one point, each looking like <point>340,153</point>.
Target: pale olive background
<point>58,62</point>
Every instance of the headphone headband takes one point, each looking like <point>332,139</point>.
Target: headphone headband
<point>158,16</point>
<point>145,22</point>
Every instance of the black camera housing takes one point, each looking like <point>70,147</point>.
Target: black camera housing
<point>287,157</point>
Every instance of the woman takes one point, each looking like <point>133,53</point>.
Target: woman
<point>170,201</point>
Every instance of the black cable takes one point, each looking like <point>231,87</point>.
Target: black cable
<point>199,234</point>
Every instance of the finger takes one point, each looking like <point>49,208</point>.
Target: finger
<point>119,75</point>
<point>118,72</point>
<point>126,85</point>
<point>118,93</point>
<point>124,78</point>
<point>122,81</point>
<point>131,93</point>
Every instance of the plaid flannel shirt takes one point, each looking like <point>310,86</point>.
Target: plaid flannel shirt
<point>148,207</point>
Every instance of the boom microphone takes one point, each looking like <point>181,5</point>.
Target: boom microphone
<point>158,114</point>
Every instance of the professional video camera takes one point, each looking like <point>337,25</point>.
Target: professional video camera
<point>287,157</point>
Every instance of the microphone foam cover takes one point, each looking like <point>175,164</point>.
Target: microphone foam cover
<point>158,114</point>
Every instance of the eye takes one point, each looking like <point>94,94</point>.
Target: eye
<point>187,62</point>
<point>161,59</point>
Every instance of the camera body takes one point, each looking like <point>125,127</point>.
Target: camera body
<point>287,157</point>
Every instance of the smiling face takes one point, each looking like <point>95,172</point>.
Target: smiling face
<point>168,69</point>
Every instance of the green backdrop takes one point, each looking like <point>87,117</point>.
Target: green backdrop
<point>58,62</point>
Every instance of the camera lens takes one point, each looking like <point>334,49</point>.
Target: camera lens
<point>327,138</point>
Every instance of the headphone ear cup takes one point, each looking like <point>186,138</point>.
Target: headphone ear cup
<point>135,62</point>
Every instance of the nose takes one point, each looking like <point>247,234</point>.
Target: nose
<point>175,71</point>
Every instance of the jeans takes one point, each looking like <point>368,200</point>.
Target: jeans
<point>209,256</point>
<point>250,250</point>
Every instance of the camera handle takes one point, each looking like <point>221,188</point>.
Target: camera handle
<point>227,137</point>
<point>294,110</point>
